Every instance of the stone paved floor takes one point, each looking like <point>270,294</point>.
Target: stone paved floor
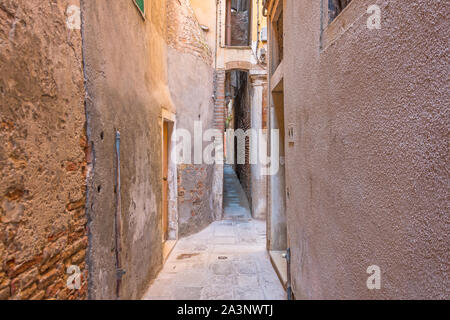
<point>227,260</point>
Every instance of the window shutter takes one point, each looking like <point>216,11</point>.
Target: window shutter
<point>140,4</point>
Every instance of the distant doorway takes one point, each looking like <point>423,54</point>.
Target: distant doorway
<point>169,224</point>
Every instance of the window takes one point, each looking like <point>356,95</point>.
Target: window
<point>140,4</point>
<point>237,23</point>
<point>335,7</point>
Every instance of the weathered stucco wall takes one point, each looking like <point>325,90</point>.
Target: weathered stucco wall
<point>190,78</point>
<point>42,151</point>
<point>258,105</point>
<point>368,173</point>
<point>125,66</point>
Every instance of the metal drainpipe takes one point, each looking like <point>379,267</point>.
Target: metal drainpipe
<point>117,221</point>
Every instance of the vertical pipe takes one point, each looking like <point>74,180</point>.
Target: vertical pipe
<point>117,221</point>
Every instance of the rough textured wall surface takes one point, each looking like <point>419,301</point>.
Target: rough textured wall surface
<point>368,173</point>
<point>42,152</point>
<point>187,69</point>
<point>205,13</point>
<point>126,85</point>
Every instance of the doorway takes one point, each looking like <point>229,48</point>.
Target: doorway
<point>276,223</point>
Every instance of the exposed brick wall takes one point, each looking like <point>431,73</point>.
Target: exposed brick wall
<point>184,32</point>
<point>42,152</point>
<point>219,103</point>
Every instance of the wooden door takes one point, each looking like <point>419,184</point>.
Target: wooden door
<point>165,185</point>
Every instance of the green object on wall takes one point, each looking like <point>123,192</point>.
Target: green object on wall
<point>141,6</point>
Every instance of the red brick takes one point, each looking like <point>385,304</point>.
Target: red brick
<point>47,278</point>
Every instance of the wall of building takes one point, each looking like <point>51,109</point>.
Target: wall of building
<point>367,173</point>
<point>190,63</point>
<point>42,152</point>
<point>126,81</point>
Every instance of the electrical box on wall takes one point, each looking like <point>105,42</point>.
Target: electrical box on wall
<point>291,133</point>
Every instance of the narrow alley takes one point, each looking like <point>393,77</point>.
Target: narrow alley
<point>213,150</point>
<point>225,261</point>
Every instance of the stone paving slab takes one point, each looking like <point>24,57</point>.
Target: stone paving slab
<point>218,268</point>
<point>227,260</point>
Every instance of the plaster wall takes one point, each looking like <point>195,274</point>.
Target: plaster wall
<point>368,172</point>
<point>125,69</point>
<point>193,104</point>
<point>191,85</point>
<point>205,13</point>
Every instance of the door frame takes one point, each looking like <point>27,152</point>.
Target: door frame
<point>169,118</point>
